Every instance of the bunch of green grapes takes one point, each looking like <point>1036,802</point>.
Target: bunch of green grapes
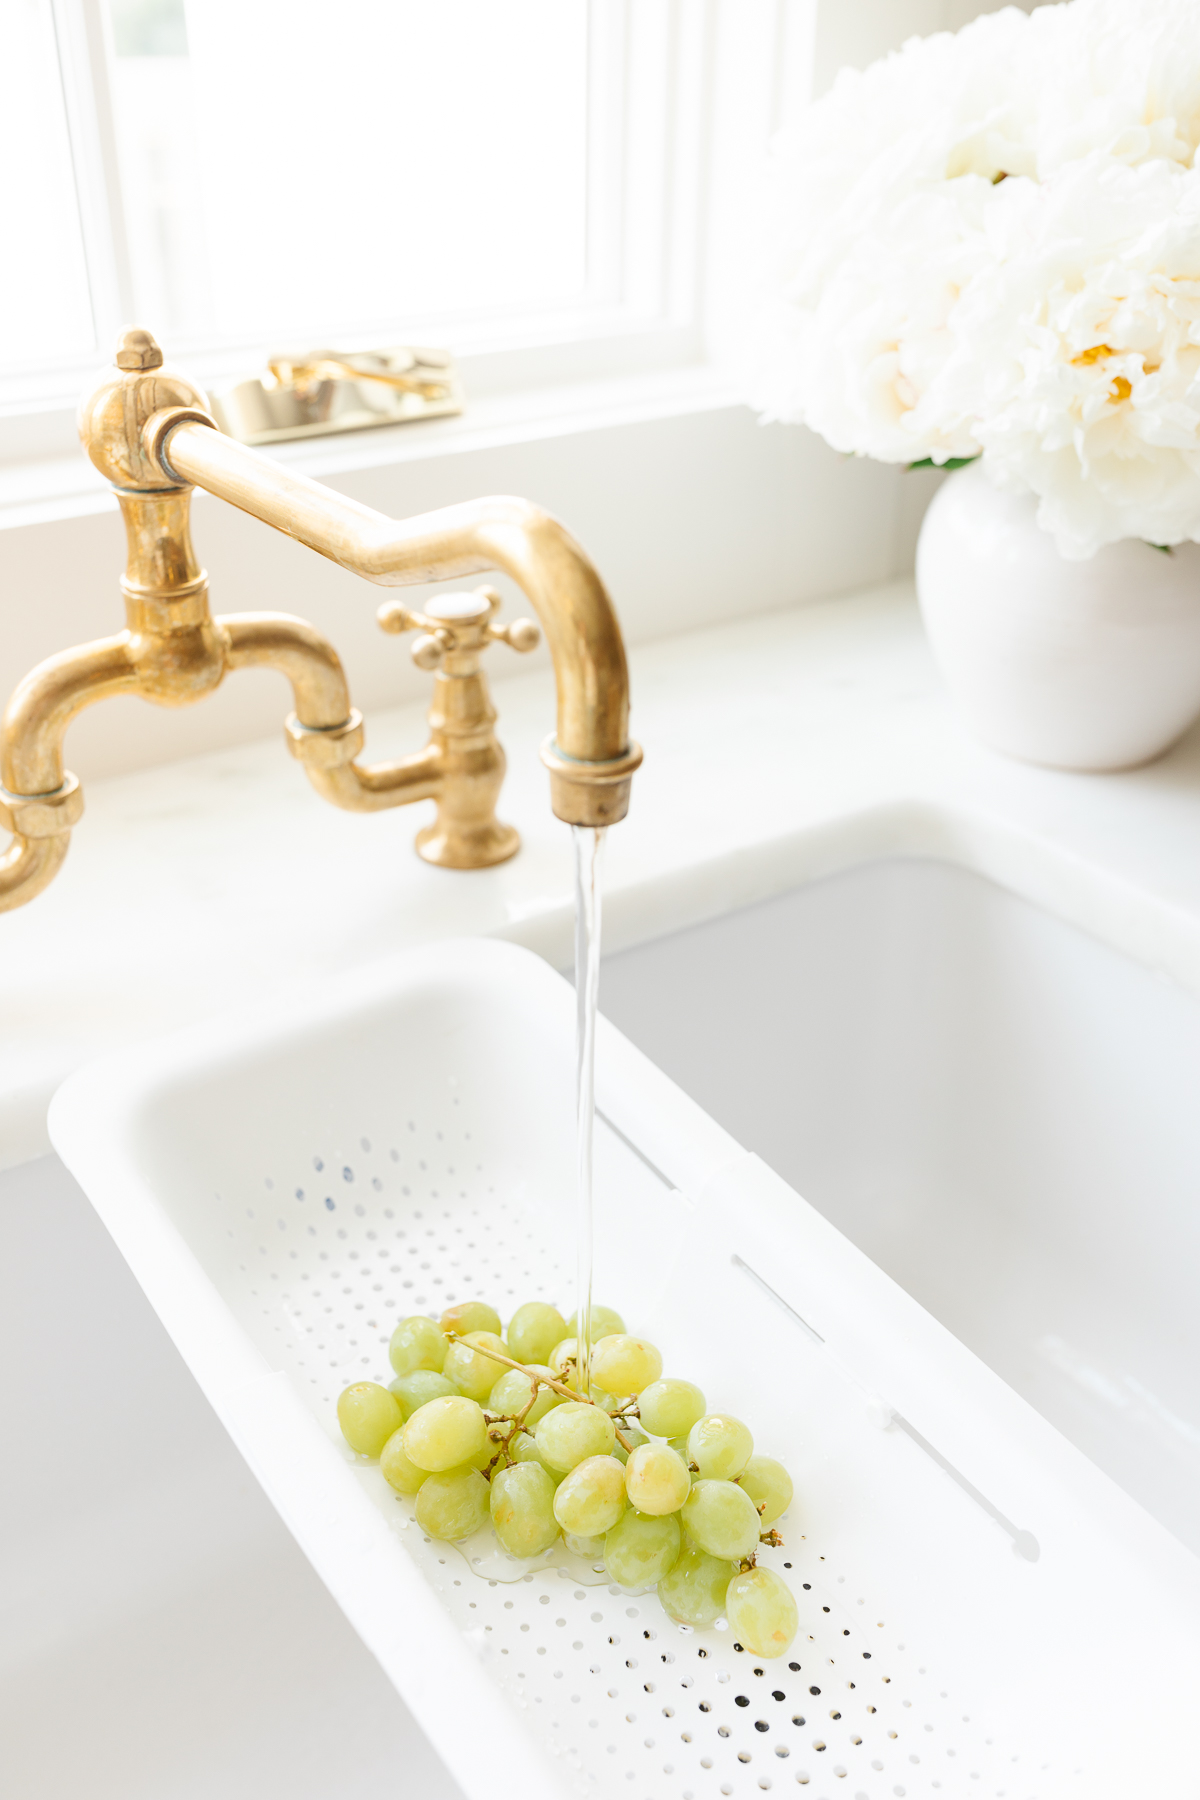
<point>480,1425</point>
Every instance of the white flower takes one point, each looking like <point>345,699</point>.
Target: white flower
<point>991,243</point>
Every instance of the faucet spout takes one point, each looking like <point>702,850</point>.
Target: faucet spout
<point>590,758</point>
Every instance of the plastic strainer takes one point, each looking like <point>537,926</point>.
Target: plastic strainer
<point>982,1612</point>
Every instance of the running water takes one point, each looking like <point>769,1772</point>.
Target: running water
<point>589,844</point>
<point>482,1552</point>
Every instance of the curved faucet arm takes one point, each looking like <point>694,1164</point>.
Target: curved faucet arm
<point>325,732</point>
<point>501,533</point>
<point>28,867</point>
<point>308,660</point>
<point>40,804</point>
<point>50,696</point>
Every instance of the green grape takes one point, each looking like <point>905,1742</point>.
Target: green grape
<point>769,1486</point>
<point>720,1518</point>
<point>590,1548</point>
<point>612,1403</point>
<point>670,1408</point>
<point>368,1415</point>
<point>635,1437</point>
<point>453,1504</point>
<point>762,1612</point>
<point>562,1360</point>
<point>422,1385</point>
<point>444,1433</point>
<point>522,1505</point>
<point>572,1432</point>
<point>417,1343</point>
<point>473,1373</point>
<point>679,1446</point>
<point>720,1446</point>
<point>639,1551</point>
<point>470,1315</point>
<point>624,1365</point>
<point>523,1449</point>
<point>398,1468</point>
<point>656,1480</point>
<point>604,1322</point>
<point>693,1591</point>
<point>512,1392</point>
<point>591,1499</point>
<point>533,1331</point>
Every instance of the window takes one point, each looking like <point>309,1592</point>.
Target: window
<point>555,189</point>
<point>46,309</point>
<point>314,168</point>
<point>245,177</point>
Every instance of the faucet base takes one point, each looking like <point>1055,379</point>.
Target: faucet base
<point>467,847</point>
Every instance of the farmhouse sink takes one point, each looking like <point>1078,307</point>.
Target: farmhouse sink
<point>287,1182</point>
<point>1000,1111</point>
<point>988,1107</point>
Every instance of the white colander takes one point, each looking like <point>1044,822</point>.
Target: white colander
<point>982,1612</point>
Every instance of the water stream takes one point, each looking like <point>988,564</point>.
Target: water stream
<point>482,1553</point>
<point>589,847</point>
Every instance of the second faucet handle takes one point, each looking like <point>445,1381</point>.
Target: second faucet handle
<point>457,622</point>
<point>521,635</point>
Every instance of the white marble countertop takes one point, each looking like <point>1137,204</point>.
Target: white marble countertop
<point>777,749</point>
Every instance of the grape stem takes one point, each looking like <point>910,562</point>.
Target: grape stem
<point>516,1423</point>
<point>559,1387</point>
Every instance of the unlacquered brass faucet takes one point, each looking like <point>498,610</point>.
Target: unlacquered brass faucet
<point>147,429</point>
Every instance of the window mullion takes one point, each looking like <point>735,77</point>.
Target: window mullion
<point>82,30</point>
<point>606,148</point>
<point>687,176</point>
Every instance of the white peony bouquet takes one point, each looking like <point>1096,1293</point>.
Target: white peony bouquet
<point>989,244</point>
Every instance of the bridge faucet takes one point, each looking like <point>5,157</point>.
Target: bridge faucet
<point>147,429</point>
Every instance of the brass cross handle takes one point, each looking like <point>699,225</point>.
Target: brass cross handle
<point>457,623</point>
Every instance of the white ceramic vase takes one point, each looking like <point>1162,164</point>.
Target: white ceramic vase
<point>1079,665</point>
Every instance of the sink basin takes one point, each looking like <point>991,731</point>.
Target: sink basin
<point>1000,1111</point>
<point>286,1183</point>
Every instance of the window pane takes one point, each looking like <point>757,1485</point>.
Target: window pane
<point>45,307</point>
<point>350,164</point>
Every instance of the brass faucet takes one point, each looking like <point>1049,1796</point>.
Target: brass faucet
<point>147,430</point>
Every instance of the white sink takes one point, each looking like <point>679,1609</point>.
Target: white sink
<point>1000,1111</point>
<point>287,1182</point>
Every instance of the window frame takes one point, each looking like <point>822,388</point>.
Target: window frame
<point>642,308</point>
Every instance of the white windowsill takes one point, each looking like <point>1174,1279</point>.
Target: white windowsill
<point>65,487</point>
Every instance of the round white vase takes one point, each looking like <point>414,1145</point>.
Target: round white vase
<point>1078,665</point>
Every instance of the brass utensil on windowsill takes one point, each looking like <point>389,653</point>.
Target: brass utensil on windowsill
<point>325,391</point>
